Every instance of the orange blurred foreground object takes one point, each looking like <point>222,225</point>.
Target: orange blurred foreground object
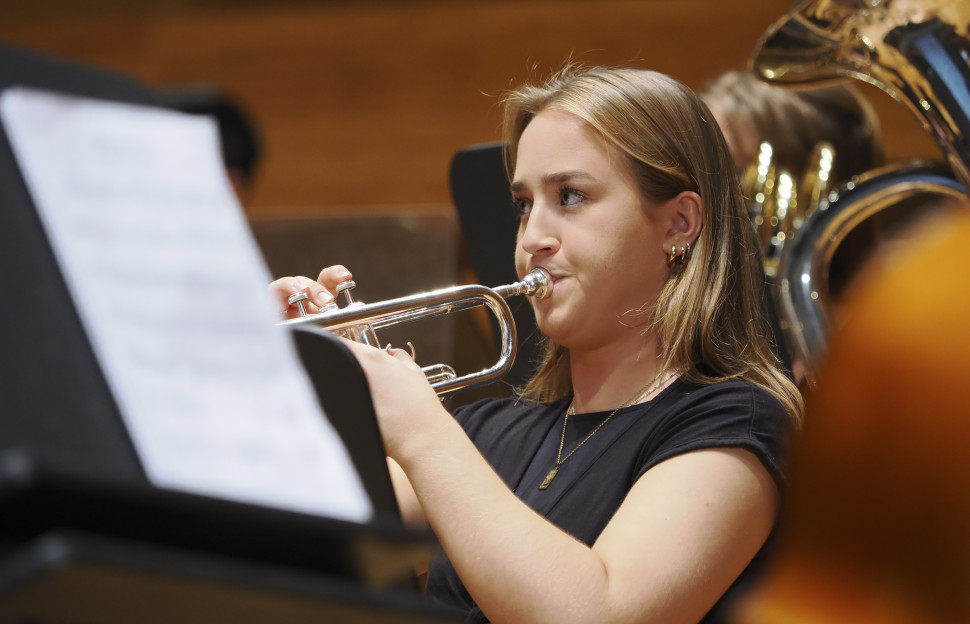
<point>878,521</point>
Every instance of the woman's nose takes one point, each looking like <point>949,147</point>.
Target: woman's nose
<point>537,233</point>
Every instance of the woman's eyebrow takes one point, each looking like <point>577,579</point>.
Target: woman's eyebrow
<point>551,179</point>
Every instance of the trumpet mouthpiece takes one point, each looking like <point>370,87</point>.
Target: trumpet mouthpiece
<point>538,283</point>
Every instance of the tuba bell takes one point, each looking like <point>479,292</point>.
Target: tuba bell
<point>917,52</point>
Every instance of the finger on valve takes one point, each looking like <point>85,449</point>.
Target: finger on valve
<point>332,276</point>
<point>299,295</point>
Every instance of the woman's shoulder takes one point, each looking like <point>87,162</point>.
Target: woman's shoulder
<point>726,413</point>
<point>740,396</point>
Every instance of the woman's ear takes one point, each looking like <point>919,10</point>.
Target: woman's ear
<point>685,219</point>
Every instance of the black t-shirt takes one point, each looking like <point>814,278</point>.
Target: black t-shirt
<point>521,439</point>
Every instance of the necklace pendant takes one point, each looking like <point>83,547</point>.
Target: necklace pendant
<point>549,477</point>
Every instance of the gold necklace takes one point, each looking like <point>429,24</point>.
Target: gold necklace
<point>655,383</point>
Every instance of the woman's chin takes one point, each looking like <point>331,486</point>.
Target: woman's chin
<point>553,326</point>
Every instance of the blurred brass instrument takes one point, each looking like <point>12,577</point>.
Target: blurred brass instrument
<point>802,288</point>
<point>779,204</point>
<point>360,321</point>
<point>916,51</point>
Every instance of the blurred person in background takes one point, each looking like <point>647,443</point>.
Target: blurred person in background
<point>239,136</point>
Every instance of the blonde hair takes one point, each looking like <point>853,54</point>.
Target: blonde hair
<point>710,317</point>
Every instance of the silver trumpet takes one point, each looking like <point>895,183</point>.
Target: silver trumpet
<point>360,321</point>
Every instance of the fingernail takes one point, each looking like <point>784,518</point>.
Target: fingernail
<point>324,298</point>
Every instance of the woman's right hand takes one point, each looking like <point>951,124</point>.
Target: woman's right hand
<point>319,292</point>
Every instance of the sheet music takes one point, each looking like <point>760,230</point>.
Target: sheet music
<point>171,289</point>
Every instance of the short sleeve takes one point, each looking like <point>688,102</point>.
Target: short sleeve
<point>723,415</point>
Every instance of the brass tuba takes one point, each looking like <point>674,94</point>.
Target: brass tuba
<point>778,204</point>
<point>917,51</point>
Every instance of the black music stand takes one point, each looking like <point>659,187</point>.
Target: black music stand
<point>84,536</point>
<point>483,200</point>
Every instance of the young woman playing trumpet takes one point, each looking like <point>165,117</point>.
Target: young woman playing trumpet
<point>639,475</point>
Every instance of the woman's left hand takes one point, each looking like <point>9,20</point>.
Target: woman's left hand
<point>405,403</point>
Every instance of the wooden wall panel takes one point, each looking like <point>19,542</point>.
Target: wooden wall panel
<point>363,103</point>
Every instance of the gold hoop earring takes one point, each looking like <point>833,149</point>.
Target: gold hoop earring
<point>678,257</point>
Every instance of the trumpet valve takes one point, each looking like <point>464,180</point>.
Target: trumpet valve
<point>345,288</point>
<point>359,333</point>
<point>298,299</point>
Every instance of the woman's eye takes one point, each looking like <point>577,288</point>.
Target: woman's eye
<point>570,197</point>
<point>522,206</point>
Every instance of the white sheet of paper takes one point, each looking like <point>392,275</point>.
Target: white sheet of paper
<point>171,289</point>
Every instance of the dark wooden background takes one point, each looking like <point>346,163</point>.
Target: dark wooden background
<point>362,103</point>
